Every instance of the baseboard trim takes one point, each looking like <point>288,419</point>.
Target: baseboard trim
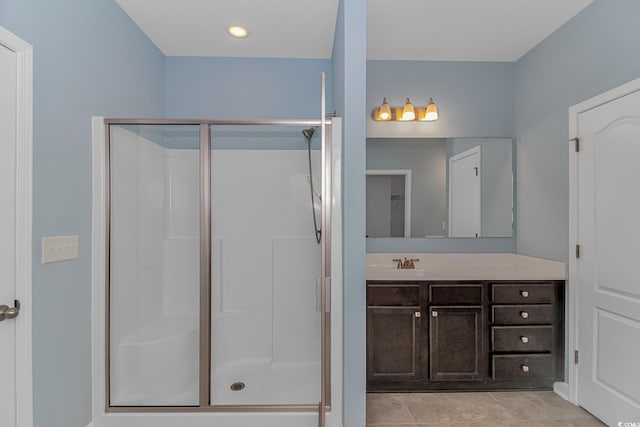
<point>562,390</point>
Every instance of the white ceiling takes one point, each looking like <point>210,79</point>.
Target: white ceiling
<point>463,30</point>
<point>278,28</point>
<point>438,30</point>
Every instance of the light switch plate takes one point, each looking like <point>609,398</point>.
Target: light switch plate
<point>59,248</point>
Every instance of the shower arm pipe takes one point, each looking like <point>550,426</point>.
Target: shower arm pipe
<point>258,122</point>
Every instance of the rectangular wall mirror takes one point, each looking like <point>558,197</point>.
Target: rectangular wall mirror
<point>440,187</point>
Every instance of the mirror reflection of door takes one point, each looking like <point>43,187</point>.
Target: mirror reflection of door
<point>465,194</point>
<point>389,203</point>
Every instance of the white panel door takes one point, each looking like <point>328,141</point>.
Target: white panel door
<point>465,194</point>
<point>8,97</point>
<point>607,270</point>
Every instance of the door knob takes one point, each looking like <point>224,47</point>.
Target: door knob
<point>7,312</point>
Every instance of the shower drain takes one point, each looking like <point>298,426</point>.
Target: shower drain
<point>237,386</point>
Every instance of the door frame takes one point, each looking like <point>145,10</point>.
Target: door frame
<point>24,262</point>
<point>573,283</point>
<point>407,192</point>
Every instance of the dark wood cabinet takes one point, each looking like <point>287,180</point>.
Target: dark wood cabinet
<point>527,334</point>
<point>394,333</point>
<point>455,343</point>
<point>464,335</point>
<point>394,342</point>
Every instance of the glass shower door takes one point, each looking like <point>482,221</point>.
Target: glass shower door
<point>153,265</point>
<point>266,330</point>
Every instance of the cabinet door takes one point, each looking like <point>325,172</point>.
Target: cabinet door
<point>393,344</point>
<point>455,343</point>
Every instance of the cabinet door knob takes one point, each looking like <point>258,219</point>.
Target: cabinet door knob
<point>524,314</point>
<point>524,339</point>
<point>524,368</point>
<point>417,314</point>
<point>525,294</point>
<point>434,314</point>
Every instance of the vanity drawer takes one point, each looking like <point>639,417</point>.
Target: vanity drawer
<point>403,295</point>
<point>522,293</point>
<point>522,338</point>
<point>453,294</point>
<point>523,367</point>
<point>522,314</point>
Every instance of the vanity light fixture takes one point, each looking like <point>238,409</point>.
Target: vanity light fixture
<point>431,112</point>
<point>407,113</point>
<point>237,31</point>
<point>384,112</point>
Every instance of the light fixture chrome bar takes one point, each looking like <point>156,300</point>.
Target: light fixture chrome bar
<point>205,265</point>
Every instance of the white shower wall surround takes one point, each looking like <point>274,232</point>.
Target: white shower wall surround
<point>265,327</point>
<point>154,272</point>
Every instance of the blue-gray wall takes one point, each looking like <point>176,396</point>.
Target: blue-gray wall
<point>475,99</point>
<point>595,51</point>
<point>89,59</point>
<point>245,88</point>
<point>350,75</point>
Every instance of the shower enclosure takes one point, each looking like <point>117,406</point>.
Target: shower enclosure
<point>217,294</point>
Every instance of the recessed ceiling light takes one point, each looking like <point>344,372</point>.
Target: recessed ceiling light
<point>238,31</point>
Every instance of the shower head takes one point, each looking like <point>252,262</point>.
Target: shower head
<point>308,133</point>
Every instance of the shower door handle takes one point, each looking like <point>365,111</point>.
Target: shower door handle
<point>7,312</point>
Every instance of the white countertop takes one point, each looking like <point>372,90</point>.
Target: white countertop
<point>465,267</point>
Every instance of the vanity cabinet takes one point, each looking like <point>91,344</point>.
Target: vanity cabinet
<point>455,342</point>
<point>394,334</point>
<point>464,335</point>
<point>456,330</point>
<point>526,333</point>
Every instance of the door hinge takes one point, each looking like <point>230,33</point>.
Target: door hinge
<point>577,251</point>
<point>575,357</point>
<point>476,168</point>
<point>577,141</point>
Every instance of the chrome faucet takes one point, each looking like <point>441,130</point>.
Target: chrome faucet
<point>407,264</point>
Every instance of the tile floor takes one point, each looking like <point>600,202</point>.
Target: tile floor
<point>521,409</point>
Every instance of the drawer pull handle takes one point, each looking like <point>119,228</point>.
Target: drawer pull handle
<point>524,368</point>
<point>524,314</point>
<point>417,314</point>
<point>434,314</point>
<point>524,339</point>
<point>525,294</point>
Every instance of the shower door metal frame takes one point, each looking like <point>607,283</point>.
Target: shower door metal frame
<point>205,404</point>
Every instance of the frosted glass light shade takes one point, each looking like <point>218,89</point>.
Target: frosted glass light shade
<point>408,112</point>
<point>431,112</point>
<point>385,111</point>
